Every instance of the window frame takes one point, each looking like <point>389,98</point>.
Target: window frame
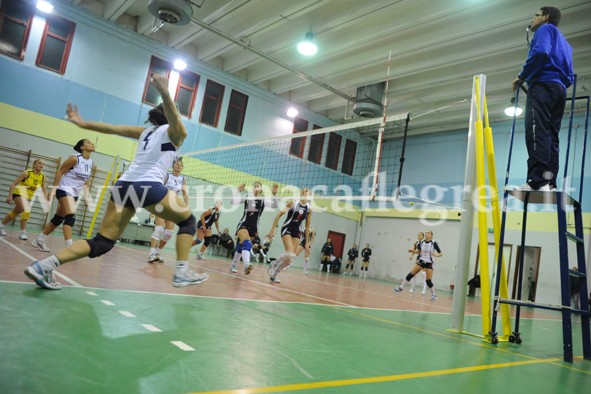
<point>193,89</point>
<point>297,145</point>
<point>236,112</point>
<point>68,41</point>
<point>316,139</point>
<point>333,151</point>
<point>219,100</point>
<point>28,23</point>
<point>348,165</point>
<point>153,61</point>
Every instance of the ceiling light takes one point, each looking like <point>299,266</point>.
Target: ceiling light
<point>308,47</point>
<point>513,110</point>
<point>44,6</point>
<point>292,112</point>
<point>179,64</point>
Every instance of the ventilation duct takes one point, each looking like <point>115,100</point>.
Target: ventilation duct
<point>368,100</point>
<point>175,12</point>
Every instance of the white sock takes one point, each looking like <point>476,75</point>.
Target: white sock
<point>41,237</point>
<point>181,267</point>
<point>152,250</point>
<point>157,250</point>
<point>246,257</point>
<point>236,258</point>
<point>23,231</point>
<point>69,242</point>
<point>306,260</point>
<point>49,263</point>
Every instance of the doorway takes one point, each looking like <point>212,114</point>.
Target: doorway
<point>531,268</point>
<point>338,243</point>
<point>492,263</point>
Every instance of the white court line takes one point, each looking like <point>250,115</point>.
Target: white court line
<point>152,328</point>
<point>127,313</point>
<point>92,293</point>
<point>55,272</point>
<point>183,346</point>
<point>106,302</point>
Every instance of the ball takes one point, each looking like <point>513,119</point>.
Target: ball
<point>411,203</point>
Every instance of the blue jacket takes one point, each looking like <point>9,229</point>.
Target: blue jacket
<point>549,58</point>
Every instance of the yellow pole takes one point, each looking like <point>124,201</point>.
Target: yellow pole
<point>496,219</point>
<point>98,206</point>
<point>482,217</point>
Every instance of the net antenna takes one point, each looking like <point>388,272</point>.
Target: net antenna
<point>374,190</point>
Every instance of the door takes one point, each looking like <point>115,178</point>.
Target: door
<point>338,242</point>
<point>531,267</point>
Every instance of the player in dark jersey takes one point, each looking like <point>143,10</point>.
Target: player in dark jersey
<point>306,245</point>
<point>208,218</point>
<point>254,204</point>
<point>298,213</point>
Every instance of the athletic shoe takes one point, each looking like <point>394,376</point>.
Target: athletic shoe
<point>153,258</point>
<point>398,289</point>
<point>248,268</point>
<point>424,291</point>
<point>412,290</point>
<point>274,279</point>
<point>40,244</point>
<point>23,236</point>
<point>433,296</point>
<point>271,268</point>
<point>200,257</point>
<point>3,232</point>
<point>42,277</point>
<point>527,188</point>
<point>188,278</point>
<point>305,272</point>
<point>233,269</point>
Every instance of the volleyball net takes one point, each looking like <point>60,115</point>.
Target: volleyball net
<point>352,162</point>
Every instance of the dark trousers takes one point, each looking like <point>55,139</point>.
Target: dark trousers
<point>544,109</point>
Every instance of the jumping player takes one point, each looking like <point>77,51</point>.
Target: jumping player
<point>297,211</point>
<point>254,205</point>
<point>142,185</point>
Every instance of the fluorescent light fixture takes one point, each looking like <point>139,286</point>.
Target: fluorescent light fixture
<point>44,6</point>
<point>292,112</point>
<point>308,47</point>
<point>179,64</point>
<point>513,110</point>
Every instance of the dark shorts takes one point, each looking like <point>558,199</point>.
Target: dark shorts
<point>18,195</point>
<point>59,193</point>
<point>422,264</point>
<point>137,194</point>
<point>200,226</point>
<point>295,233</point>
<point>252,228</point>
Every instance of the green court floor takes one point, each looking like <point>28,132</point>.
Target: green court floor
<point>82,340</point>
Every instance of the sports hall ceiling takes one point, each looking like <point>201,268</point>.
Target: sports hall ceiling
<point>436,48</point>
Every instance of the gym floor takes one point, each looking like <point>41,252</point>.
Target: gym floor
<point>119,326</point>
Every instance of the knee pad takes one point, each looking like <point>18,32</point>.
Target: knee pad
<point>25,215</point>
<point>239,247</point>
<point>247,245</point>
<point>429,283</point>
<point>70,220</point>
<point>291,256</point>
<point>99,245</point>
<point>57,220</point>
<point>11,214</point>
<point>409,276</point>
<point>188,226</point>
<point>157,233</point>
<point>167,235</point>
<point>207,241</point>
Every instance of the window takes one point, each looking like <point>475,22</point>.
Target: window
<point>297,144</point>
<point>15,24</point>
<point>333,151</point>
<point>236,113</point>
<point>186,92</point>
<point>316,146</point>
<point>349,157</point>
<point>157,66</point>
<point>212,103</point>
<point>55,44</point>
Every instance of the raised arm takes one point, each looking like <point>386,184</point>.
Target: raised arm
<point>237,197</point>
<point>274,202</point>
<point>176,129</point>
<point>105,128</point>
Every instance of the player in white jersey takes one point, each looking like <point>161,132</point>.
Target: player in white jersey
<point>71,179</point>
<point>164,229</point>
<point>141,186</point>
<point>298,212</point>
<point>247,228</point>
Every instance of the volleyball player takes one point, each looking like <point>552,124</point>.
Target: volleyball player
<point>365,256</point>
<point>254,205</point>
<point>21,192</point>
<point>298,213</point>
<point>427,249</point>
<point>164,229</point>
<point>71,179</point>
<point>420,237</point>
<point>305,246</point>
<point>142,185</point>
<point>208,218</point>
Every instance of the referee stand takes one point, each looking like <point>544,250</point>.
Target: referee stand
<point>563,202</point>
